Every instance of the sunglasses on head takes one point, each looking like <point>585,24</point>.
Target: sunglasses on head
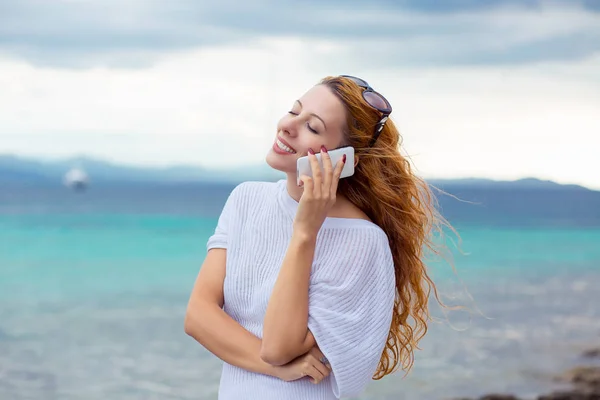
<point>375,100</point>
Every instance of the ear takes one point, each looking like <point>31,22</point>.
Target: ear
<point>355,160</point>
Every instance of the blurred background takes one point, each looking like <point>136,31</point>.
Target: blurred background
<point>124,125</point>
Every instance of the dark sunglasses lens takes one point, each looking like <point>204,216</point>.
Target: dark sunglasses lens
<point>375,100</point>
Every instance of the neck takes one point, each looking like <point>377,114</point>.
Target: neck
<point>293,189</point>
<point>296,191</point>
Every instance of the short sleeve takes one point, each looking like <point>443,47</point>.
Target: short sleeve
<point>218,240</point>
<point>350,311</point>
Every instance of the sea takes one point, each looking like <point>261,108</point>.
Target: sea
<point>94,287</point>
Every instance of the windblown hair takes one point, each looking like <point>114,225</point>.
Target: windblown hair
<point>385,188</point>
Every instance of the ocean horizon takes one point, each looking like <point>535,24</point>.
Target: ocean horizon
<point>94,287</point>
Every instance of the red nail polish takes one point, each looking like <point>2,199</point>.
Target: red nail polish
<point>344,159</point>
<point>323,149</point>
<point>311,151</point>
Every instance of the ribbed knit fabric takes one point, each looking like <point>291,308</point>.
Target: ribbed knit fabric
<point>351,295</point>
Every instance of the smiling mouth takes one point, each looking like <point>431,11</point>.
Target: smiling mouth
<point>281,144</point>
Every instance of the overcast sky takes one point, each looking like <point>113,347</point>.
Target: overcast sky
<point>499,89</point>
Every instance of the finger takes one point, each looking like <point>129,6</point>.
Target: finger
<point>324,369</point>
<point>327,169</point>
<point>337,172</point>
<point>316,174</point>
<point>321,361</point>
<point>307,182</point>
<point>314,373</point>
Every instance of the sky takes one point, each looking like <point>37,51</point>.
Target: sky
<point>495,89</point>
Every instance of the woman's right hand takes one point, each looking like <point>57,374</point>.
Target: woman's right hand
<point>308,364</point>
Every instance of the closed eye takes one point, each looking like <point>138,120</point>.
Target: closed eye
<point>310,128</point>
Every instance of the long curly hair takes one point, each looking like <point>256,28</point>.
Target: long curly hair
<point>385,188</point>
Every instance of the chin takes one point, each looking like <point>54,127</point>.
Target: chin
<point>283,163</point>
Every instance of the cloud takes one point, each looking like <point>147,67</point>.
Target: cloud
<point>134,34</point>
<point>501,89</point>
<point>217,106</point>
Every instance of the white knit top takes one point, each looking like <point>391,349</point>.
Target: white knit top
<point>351,295</point>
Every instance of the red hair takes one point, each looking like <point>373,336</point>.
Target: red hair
<point>386,189</point>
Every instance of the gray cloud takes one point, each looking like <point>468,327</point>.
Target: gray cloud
<point>450,6</point>
<point>134,33</point>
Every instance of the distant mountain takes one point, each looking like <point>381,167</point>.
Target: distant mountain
<point>462,201</point>
<point>13,169</point>
<point>15,175</point>
<point>524,183</point>
<point>16,170</point>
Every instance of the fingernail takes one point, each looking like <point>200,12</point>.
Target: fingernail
<point>323,149</point>
<point>344,158</point>
<point>311,151</point>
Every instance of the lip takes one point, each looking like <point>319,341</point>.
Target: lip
<point>280,151</point>
<point>286,143</point>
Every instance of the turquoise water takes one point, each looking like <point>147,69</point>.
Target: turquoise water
<point>84,255</point>
<point>92,304</point>
<point>87,254</point>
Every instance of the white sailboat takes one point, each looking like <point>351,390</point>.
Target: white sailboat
<point>76,179</point>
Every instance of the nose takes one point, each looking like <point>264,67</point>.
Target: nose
<point>290,127</point>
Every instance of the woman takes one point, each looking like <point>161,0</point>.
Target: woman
<point>311,291</point>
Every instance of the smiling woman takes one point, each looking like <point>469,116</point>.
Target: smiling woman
<point>310,291</point>
<point>306,128</point>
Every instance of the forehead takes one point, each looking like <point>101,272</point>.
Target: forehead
<point>321,101</point>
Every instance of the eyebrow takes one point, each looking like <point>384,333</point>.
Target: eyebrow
<point>314,115</point>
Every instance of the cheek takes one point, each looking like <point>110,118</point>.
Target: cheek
<point>310,141</point>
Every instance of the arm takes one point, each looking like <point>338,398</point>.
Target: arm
<point>208,324</point>
<point>285,328</point>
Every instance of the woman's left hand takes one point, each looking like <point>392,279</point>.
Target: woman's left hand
<point>309,365</point>
<point>319,194</point>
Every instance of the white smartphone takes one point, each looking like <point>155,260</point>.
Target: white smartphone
<point>303,164</point>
